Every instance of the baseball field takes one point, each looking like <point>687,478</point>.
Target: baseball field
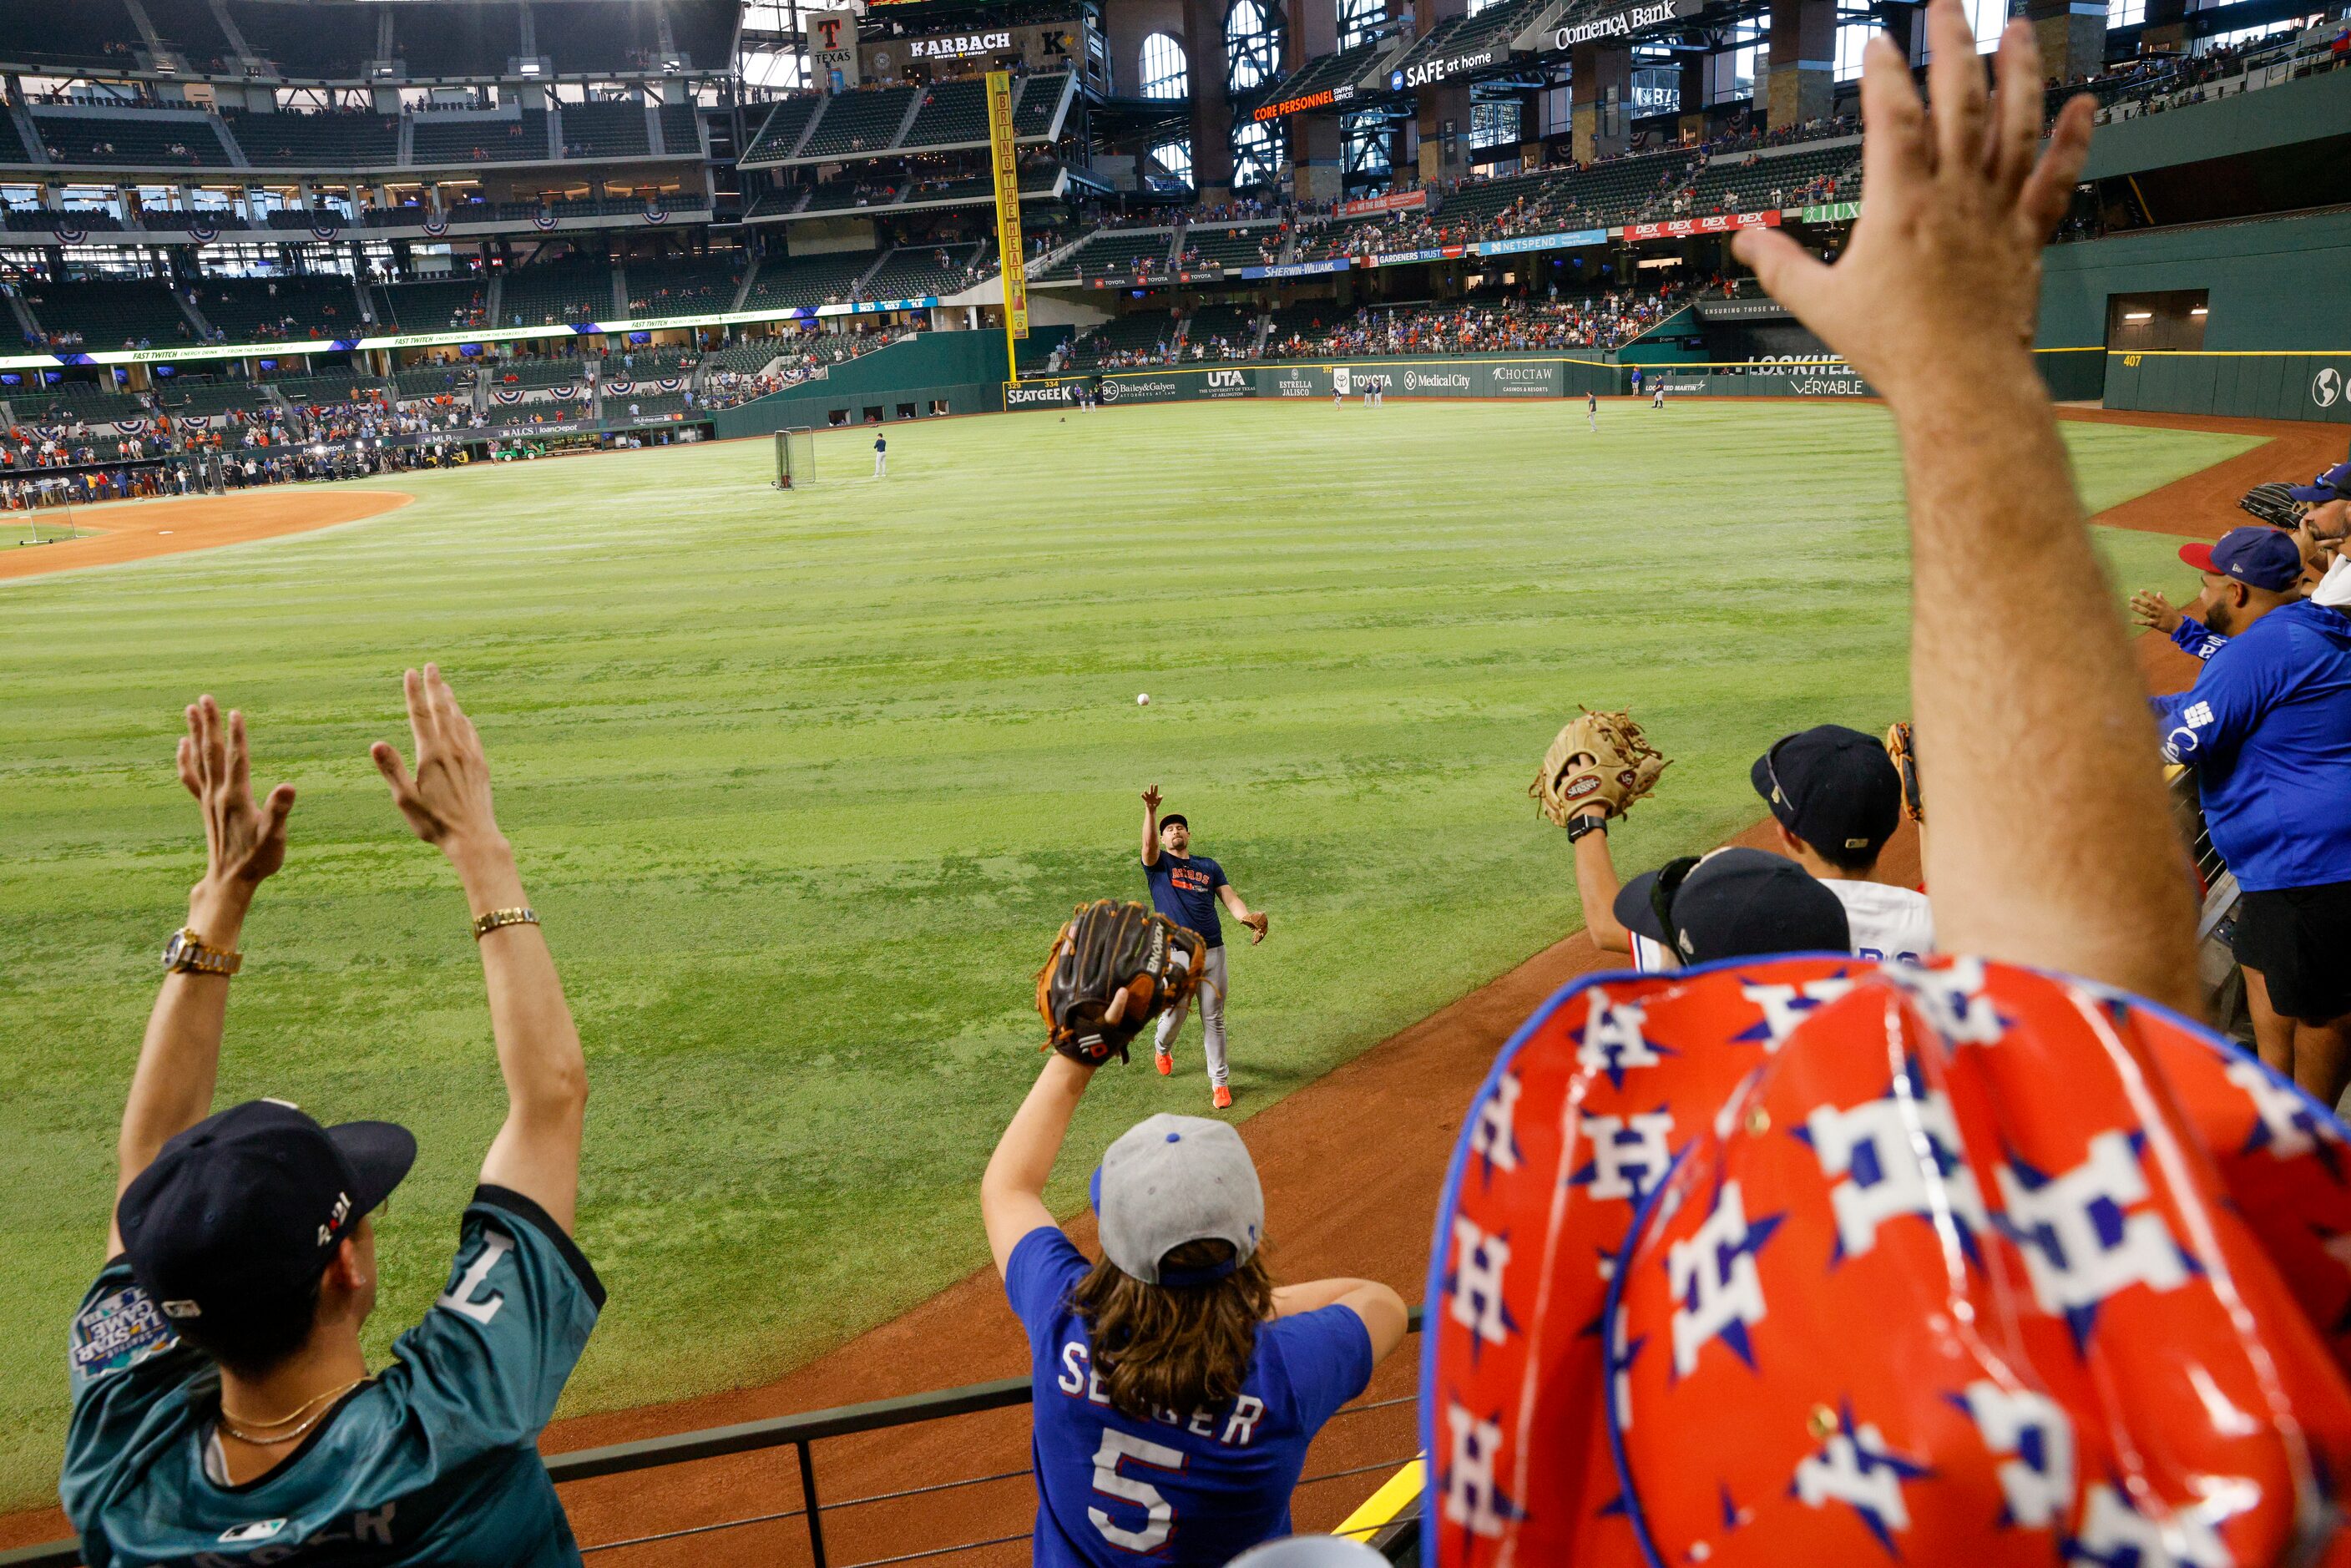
<point>802,784</point>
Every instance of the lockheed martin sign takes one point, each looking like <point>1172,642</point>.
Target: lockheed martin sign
<point>1624,22</point>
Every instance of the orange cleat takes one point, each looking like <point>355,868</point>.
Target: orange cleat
<point>1165,1062</point>
<point>1221,1097</point>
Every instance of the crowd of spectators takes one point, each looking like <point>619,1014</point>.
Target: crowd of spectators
<point>1941,1039</point>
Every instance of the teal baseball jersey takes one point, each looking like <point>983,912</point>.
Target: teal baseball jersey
<point>435,1460</point>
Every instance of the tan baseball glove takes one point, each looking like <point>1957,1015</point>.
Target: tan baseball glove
<point>1903,748</point>
<point>1598,757</point>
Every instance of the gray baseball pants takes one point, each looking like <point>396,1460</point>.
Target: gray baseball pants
<point>1211,995</point>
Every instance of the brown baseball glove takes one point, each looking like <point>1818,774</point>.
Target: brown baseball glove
<point>1903,749</point>
<point>1114,968</point>
<point>1599,757</point>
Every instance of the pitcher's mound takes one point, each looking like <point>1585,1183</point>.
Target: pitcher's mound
<point>136,530</point>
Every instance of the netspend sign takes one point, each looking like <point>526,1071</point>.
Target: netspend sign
<point>1624,22</point>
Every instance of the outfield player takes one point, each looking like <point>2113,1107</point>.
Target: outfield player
<point>1186,888</point>
<point>880,455</point>
<point>223,1412</point>
<point>1657,393</point>
<point>1177,1388</point>
<point>1591,411</point>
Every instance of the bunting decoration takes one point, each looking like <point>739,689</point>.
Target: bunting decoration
<point>436,224</point>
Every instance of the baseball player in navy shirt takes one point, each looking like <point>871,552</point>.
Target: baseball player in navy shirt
<point>1186,888</point>
<point>1177,1388</point>
<point>223,1412</point>
<point>2267,727</point>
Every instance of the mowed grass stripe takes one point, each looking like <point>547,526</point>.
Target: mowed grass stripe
<point>802,784</point>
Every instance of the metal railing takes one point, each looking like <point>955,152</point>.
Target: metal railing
<point>799,1433</point>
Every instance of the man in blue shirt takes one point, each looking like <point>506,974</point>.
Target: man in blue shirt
<point>1186,888</point>
<point>1159,1433</point>
<point>2267,727</point>
<point>223,1412</point>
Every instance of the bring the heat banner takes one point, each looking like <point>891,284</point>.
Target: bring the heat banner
<point>1004,157</point>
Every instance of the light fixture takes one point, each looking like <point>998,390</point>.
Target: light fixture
<point>2138,315</point>
<point>2198,311</point>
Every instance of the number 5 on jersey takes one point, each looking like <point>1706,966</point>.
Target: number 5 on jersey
<point>1159,1514</point>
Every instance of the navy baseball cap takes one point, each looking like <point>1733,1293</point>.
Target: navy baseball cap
<point>2334,484</point>
<point>248,1207</point>
<point>1833,788</point>
<point>1175,818</point>
<point>1734,904</point>
<point>2255,556</point>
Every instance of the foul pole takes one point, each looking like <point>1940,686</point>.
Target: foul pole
<point>1004,157</point>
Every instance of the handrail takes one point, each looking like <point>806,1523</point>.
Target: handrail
<point>717,1442</point>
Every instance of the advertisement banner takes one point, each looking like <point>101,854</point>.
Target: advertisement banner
<point>1301,103</point>
<point>1410,201</point>
<point>1624,22</point>
<point>1824,382</point>
<point>1426,253</point>
<point>1040,395</point>
<point>1832,213</point>
<point>833,49</point>
<point>1720,222</point>
<point>1169,387</point>
<point>1524,243</point>
<point>1006,158</point>
<point>1296,268</point>
<point>1293,381</point>
<point>1227,381</point>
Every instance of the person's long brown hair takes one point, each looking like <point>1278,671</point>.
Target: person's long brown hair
<point>1174,1347</point>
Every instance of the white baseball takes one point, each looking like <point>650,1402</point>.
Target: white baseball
<point>1143,699</point>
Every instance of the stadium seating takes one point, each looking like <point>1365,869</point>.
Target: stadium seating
<point>109,314</point>
<point>1230,249</point>
<point>1734,185</point>
<point>1032,113</point>
<point>12,142</point>
<point>862,121</point>
<point>1309,321</point>
<point>785,123</point>
<point>441,139</point>
<point>208,397</point>
<point>444,307</point>
<point>1149,334</point>
<point>683,286</point>
<point>1112,251</point>
<point>347,140</point>
<point>453,38</point>
<point>428,381</point>
<point>255,309</point>
<point>552,294</point>
<point>605,131</point>
<point>954,114</point>
<point>849,192</point>
<point>598,37</point>
<point>541,411</point>
<point>913,272</point>
<point>1621,189</point>
<point>1234,325</point>
<point>791,281</point>
<point>681,129</point>
<point>191,28</point>
<point>535,374</point>
<point>89,32</point>
<point>328,387</point>
<point>130,141</point>
<point>63,400</point>
<point>751,357</point>
<point>649,407</point>
<point>304,41</point>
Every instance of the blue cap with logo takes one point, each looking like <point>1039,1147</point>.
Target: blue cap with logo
<point>248,1207</point>
<point>2254,556</point>
<point>2334,484</point>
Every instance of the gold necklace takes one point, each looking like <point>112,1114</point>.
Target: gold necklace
<point>234,1425</point>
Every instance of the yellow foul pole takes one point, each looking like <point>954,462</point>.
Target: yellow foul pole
<point>1005,157</point>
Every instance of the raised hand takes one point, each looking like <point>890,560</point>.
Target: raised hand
<point>1151,797</point>
<point>447,799</point>
<point>244,843</point>
<point>1942,277</point>
<point>2153,612</point>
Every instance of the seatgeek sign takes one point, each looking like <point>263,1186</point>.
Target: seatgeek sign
<point>1624,22</point>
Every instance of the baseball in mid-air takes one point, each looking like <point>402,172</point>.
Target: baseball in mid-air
<point>1143,699</point>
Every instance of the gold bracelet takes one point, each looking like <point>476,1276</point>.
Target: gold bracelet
<point>485,924</point>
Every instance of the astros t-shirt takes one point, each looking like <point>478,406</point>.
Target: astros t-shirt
<point>1184,888</point>
<point>1196,1487</point>
<point>434,1460</point>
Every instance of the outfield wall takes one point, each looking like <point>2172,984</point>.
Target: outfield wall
<point>963,370</point>
<point>1504,377</point>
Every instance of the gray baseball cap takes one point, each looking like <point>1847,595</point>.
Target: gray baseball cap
<point>1172,1179</point>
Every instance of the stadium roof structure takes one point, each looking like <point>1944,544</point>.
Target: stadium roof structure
<point>1331,84</point>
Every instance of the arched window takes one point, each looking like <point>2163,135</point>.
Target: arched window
<point>1175,158</point>
<point>1252,45</point>
<point>1256,152</point>
<point>1166,72</point>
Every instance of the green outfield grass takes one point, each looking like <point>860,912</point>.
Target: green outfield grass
<point>802,785</point>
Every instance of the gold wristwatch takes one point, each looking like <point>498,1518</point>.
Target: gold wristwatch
<point>185,954</point>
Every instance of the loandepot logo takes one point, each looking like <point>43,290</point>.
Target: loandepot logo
<point>2325,387</point>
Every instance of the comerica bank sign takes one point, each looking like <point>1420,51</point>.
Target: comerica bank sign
<point>1624,22</point>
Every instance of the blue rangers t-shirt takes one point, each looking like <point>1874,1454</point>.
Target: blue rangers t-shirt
<point>1198,1486</point>
<point>1184,888</point>
<point>435,1460</point>
<point>2267,727</point>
